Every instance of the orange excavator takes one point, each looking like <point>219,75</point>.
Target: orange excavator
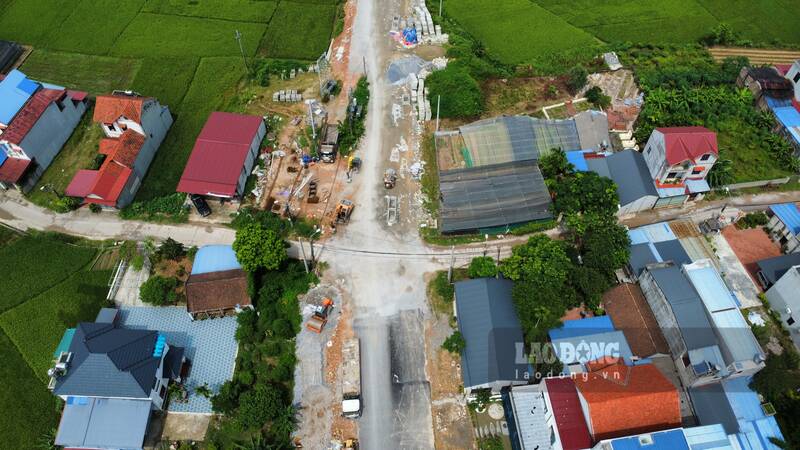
<point>319,318</point>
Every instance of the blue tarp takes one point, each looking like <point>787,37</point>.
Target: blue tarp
<point>15,90</point>
<point>215,258</point>
<point>410,35</point>
<point>577,159</point>
<point>789,215</point>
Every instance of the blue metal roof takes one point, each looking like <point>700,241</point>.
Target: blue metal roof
<point>709,437</point>
<point>215,258</point>
<point>657,232</point>
<point>789,215</point>
<point>587,348</point>
<point>663,440</point>
<point>582,327</point>
<point>696,186</point>
<point>789,117</point>
<point>103,423</point>
<point>15,90</point>
<point>755,427</point>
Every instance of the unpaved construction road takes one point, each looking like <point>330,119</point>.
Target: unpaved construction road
<point>388,294</point>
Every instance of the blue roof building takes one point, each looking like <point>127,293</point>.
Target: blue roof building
<point>789,119</point>
<point>711,437</point>
<point>732,404</point>
<point>215,258</point>
<point>15,90</point>
<point>581,341</point>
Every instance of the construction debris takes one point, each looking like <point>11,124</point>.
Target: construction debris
<point>288,96</point>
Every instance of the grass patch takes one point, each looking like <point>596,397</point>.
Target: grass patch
<point>240,10</point>
<point>72,34</point>
<point>37,325</point>
<point>750,159</point>
<point>78,153</point>
<point>430,179</point>
<point>166,78</point>
<point>30,21</point>
<point>96,74</point>
<point>215,80</point>
<point>34,263</point>
<point>163,35</point>
<point>283,38</point>
<point>517,31</point>
<point>433,236</point>
<point>767,21</point>
<point>29,409</point>
<point>441,293</point>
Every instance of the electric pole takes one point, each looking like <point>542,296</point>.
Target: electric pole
<point>238,36</point>
<point>440,8</point>
<point>438,104</point>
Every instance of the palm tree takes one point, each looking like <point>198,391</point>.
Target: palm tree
<point>721,174</point>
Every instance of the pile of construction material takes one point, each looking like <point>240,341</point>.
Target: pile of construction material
<point>289,96</point>
<point>423,22</point>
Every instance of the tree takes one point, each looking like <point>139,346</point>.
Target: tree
<point>227,399</point>
<point>596,97</point>
<point>721,173</point>
<point>460,94</point>
<point>540,259</point>
<point>585,192</point>
<point>170,249</point>
<point>259,248</point>
<point>482,267</point>
<point>576,78</point>
<point>589,285</point>
<point>455,343</point>
<point>158,290</point>
<point>606,247</point>
<point>260,405</point>
<point>555,164</point>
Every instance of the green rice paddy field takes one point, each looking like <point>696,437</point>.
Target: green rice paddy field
<point>522,31</point>
<point>182,52</point>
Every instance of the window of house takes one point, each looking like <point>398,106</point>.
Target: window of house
<point>545,403</point>
<point>649,149</point>
<point>790,321</point>
<point>552,436</point>
<point>697,170</point>
<point>705,157</point>
<point>796,77</point>
<point>672,174</point>
<point>162,392</point>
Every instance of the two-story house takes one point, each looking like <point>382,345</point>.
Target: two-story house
<point>110,379</point>
<point>784,226</point>
<point>134,127</point>
<point>36,119</point>
<point>681,156</point>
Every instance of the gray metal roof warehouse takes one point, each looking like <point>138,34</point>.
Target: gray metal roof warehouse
<point>488,322</point>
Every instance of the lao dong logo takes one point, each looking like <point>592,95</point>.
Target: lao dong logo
<point>568,352</point>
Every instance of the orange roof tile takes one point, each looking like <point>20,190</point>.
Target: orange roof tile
<point>128,146</point>
<point>110,181</point>
<point>624,400</point>
<point>109,108</point>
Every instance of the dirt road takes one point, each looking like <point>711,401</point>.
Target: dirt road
<point>388,294</point>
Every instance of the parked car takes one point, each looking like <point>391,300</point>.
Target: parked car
<point>201,204</point>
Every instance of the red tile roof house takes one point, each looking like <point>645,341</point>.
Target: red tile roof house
<point>134,127</point>
<point>619,400</point>
<point>223,156</point>
<point>679,158</point>
<point>36,119</point>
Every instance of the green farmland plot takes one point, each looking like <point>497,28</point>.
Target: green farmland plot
<point>95,74</point>
<point>759,20</point>
<point>652,21</point>
<point>33,264</point>
<point>30,21</point>
<point>72,34</point>
<point>516,31</point>
<point>166,78</point>
<point>166,35</point>
<point>29,409</point>
<point>37,325</point>
<point>241,10</point>
<point>283,40</point>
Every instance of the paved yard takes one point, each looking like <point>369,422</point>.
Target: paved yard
<point>128,291</point>
<point>209,344</point>
<point>185,426</point>
<point>734,273</point>
<point>750,246</point>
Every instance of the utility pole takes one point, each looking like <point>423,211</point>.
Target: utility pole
<point>313,125</point>
<point>238,36</point>
<point>440,8</point>
<point>438,104</point>
<point>364,60</point>
<point>303,252</point>
<point>452,262</point>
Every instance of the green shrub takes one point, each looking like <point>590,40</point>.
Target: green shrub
<point>137,262</point>
<point>490,443</point>
<point>191,253</point>
<point>576,78</point>
<point>158,290</point>
<point>596,97</point>
<point>443,288</point>
<point>259,405</point>
<point>753,220</point>
<point>95,208</point>
<point>170,249</point>
<point>460,94</point>
<point>170,208</point>
<point>482,266</point>
<point>455,343</point>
